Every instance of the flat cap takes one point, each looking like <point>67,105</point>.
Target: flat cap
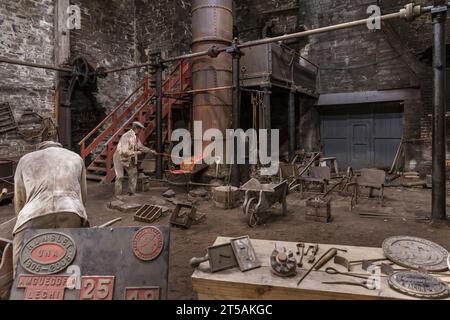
<point>137,124</point>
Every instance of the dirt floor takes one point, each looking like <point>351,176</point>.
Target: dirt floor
<point>406,209</point>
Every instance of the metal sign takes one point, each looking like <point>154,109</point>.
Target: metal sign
<point>48,253</point>
<point>416,253</point>
<point>245,254</point>
<point>419,285</point>
<point>97,288</point>
<point>149,293</point>
<point>43,287</point>
<point>105,266</point>
<point>148,243</point>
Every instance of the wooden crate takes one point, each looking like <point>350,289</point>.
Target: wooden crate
<point>318,210</point>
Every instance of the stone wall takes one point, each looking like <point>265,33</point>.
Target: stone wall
<point>162,26</point>
<point>26,29</point>
<point>107,39</point>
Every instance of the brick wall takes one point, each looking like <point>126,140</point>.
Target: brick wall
<point>163,26</point>
<point>113,33</point>
<point>26,29</point>
<point>107,38</point>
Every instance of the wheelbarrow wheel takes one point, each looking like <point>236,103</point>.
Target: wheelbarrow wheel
<point>250,213</point>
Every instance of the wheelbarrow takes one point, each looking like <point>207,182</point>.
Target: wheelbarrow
<point>259,198</point>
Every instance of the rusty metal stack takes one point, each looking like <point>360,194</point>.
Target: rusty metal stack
<point>212,25</point>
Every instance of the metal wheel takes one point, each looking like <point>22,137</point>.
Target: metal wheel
<point>250,213</point>
<point>82,71</point>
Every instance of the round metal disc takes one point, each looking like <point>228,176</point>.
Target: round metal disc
<point>448,261</point>
<point>48,253</point>
<point>148,243</point>
<point>416,253</point>
<point>419,285</point>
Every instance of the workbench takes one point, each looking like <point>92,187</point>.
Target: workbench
<point>262,284</point>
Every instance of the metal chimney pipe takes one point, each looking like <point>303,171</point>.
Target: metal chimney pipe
<point>212,25</point>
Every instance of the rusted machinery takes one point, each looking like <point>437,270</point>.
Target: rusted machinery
<point>212,25</point>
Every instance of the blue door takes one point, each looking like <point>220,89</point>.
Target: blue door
<point>362,136</point>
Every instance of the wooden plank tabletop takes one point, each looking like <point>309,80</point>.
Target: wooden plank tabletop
<point>262,284</point>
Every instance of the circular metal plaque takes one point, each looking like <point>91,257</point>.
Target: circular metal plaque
<point>416,253</point>
<point>48,253</point>
<point>148,243</point>
<point>448,261</point>
<point>419,285</point>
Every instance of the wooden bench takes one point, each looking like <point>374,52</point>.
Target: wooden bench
<point>261,284</point>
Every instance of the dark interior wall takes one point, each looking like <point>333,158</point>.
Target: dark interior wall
<point>26,29</point>
<point>251,17</point>
<point>107,38</point>
<point>162,26</point>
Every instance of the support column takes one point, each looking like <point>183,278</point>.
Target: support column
<point>236,55</point>
<point>291,124</point>
<point>62,55</point>
<point>268,118</point>
<point>439,14</point>
<point>159,106</point>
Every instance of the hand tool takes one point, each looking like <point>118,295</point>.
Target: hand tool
<point>312,258</point>
<point>324,259</point>
<point>301,253</point>
<point>335,272</point>
<point>364,284</point>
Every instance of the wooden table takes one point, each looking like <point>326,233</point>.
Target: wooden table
<point>262,284</point>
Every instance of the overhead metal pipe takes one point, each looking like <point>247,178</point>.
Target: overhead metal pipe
<point>439,192</point>
<point>409,13</point>
<point>33,65</point>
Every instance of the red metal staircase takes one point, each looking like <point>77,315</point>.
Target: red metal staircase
<point>140,106</point>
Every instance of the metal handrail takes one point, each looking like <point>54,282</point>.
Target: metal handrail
<point>86,150</point>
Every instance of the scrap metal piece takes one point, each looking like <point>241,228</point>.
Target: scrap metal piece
<point>220,257</point>
<point>183,216</point>
<point>416,253</point>
<point>148,213</point>
<point>148,243</point>
<point>343,262</point>
<point>301,253</point>
<point>48,253</point>
<point>245,254</point>
<point>283,263</point>
<point>315,249</point>
<point>7,120</point>
<point>419,285</point>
